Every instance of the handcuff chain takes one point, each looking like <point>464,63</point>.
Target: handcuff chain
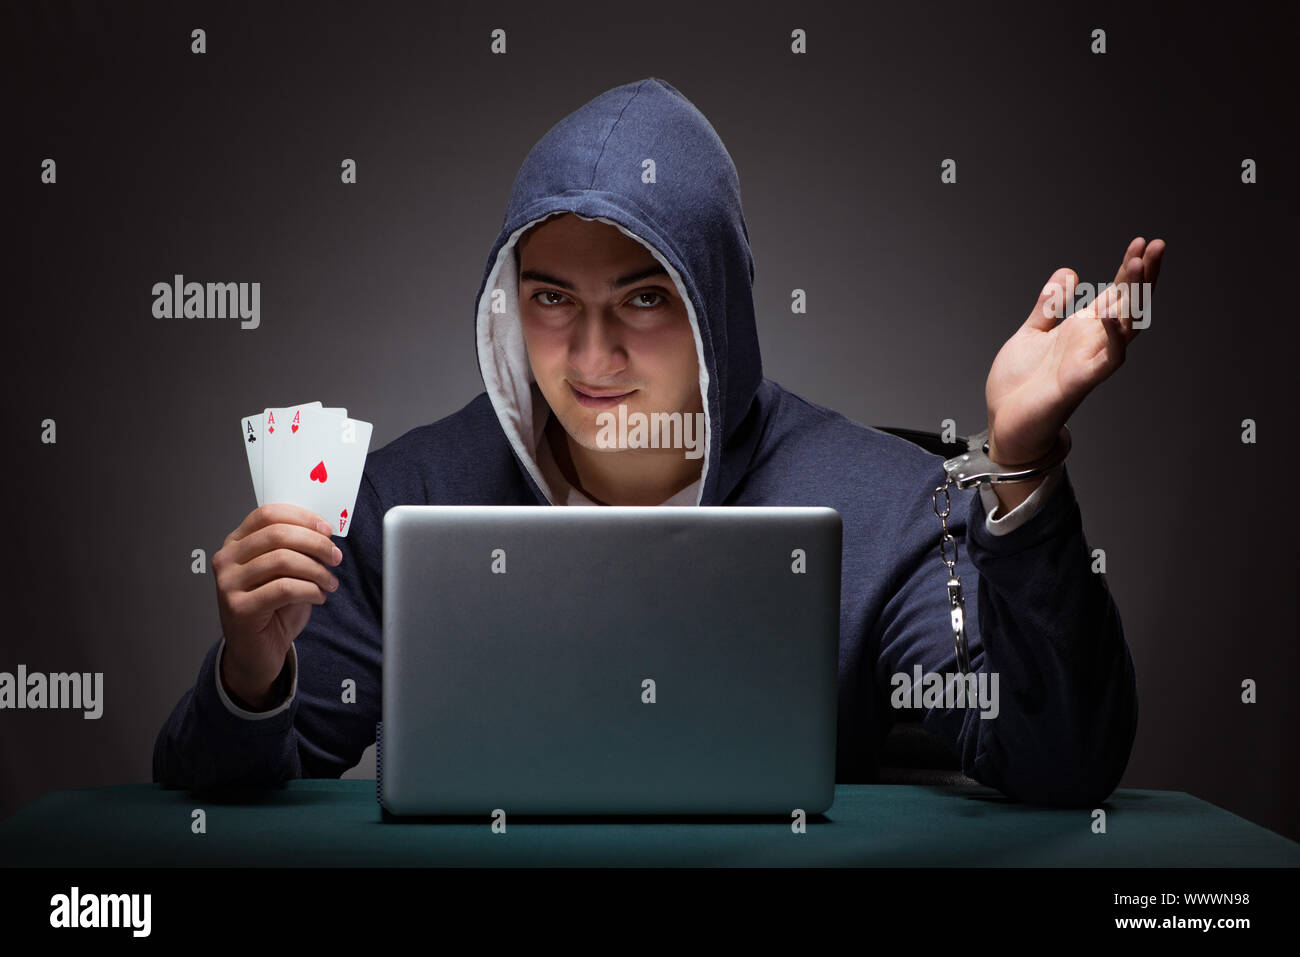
<point>968,469</point>
<point>956,608</point>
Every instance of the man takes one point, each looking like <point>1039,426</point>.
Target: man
<point>594,345</point>
<point>622,275</point>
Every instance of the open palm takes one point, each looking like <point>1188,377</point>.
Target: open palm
<point>1044,371</point>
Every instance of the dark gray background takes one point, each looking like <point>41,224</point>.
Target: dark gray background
<point>225,167</point>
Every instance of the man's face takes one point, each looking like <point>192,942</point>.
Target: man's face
<point>603,325</point>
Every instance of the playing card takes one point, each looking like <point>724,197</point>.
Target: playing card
<point>318,465</point>
<point>252,430</point>
<point>255,435</point>
<point>250,427</point>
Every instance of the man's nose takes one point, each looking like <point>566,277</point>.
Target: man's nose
<point>596,347</point>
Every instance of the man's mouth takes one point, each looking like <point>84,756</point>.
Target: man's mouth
<point>593,398</point>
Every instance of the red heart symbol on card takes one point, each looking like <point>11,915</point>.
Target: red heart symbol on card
<point>294,428</point>
<point>318,474</point>
<point>343,514</point>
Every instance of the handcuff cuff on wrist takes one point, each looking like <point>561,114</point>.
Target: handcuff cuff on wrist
<point>974,467</point>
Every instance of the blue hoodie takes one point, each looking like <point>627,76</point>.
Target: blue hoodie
<point>1037,616</point>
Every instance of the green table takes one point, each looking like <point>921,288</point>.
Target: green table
<point>337,823</point>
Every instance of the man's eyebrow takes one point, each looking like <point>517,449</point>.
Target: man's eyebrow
<point>532,275</point>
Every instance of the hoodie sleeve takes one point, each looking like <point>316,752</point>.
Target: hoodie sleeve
<point>1038,618</point>
<point>211,741</point>
<point>1009,521</point>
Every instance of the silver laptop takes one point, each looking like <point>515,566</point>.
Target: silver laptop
<point>609,660</point>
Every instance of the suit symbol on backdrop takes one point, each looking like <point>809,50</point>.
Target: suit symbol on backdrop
<point>318,474</point>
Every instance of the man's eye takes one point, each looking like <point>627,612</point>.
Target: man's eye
<point>548,292</point>
<point>648,292</point>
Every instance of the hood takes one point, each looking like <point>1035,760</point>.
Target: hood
<point>592,164</point>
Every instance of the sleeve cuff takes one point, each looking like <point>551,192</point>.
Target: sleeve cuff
<point>291,664</point>
<point>1005,524</point>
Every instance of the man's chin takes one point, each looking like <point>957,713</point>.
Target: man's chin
<point>585,433</point>
<point>585,425</point>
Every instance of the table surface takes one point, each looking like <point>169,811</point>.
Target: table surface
<point>329,823</point>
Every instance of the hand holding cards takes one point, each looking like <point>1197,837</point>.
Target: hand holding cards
<point>270,572</point>
<point>309,456</point>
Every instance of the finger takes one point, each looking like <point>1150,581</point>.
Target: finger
<point>1135,248</point>
<point>1142,288</point>
<point>1114,301</point>
<point>273,513</point>
<point>282,563</point>
<point>312,544</point>
<point>1149,255</point>
<point>279,593</point>
<point>1054,299</point>
<point>1116,315</point>
<point>1116,344</point>
<point>1114,304</point>
<point>1154,257</point>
